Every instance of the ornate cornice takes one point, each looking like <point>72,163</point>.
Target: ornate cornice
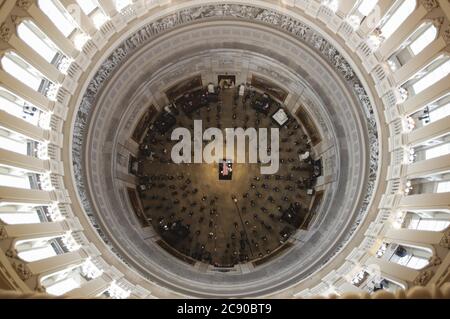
<point>429,4</point>
<point>24,4</point>
<point>5,32</point>
<point>272,18</point>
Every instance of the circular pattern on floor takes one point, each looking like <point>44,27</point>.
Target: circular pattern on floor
<point>225,222</point>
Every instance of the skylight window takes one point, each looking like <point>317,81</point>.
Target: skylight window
<point>439,113</point>
<point>21,70</point>
<point>424,40</point>
<point>87,6</point>
<point>432,77</point>
<point>366,7</point>
<point>398,17</point>
<point>37,253</point>
<point>62,287</point>
<point>36,39</point>
<point>61,19</point>
<point>437,151</point>
<point>443,187</point>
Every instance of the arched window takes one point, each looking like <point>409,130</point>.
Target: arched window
<point>332,4</point>
<point>12,177</point>
<point>58,15</point>
<point>443,187</point>
<point>398,16</point>
<point>87,6</point>
<point>411,257</point>
<point>415,44</point>
<point>426,220</point>
<point>421,41</point>
<point>63,286</point>
<point>20,214</point>
<point>434,111</point>
<point>361,11</point>
<point>14,142</point>
<point>22,70</point>
<point>432,77</point>
<point>37,40</point>
<point>366,7</point>
<point>437,151</point>
<point>92,9</point>
<point>14,105</point>
<point>439,113</point>
<point>36,249</point>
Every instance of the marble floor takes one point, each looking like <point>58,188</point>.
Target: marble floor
<point>225,222</point>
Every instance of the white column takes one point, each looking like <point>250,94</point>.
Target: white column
<point>431,94</point>
<point>85,23</point>
<point>428,132</point>
<point>48,70</point>
<point>44,23</point>
<point>393,270</point>
<point>420,202</point>
<point>24,91</point>
<point>368,24</point>
<point>402,33</point>
<point>29,163</point>
<point>92,288</point>
<point>23,127</point>
<point>56,263</point>
<point>413,236</point>
<point>34,231</point>
<point>431,52</point>
<point>428,167</point>
<point>25,196</point>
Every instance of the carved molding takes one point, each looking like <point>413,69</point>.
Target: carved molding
<point>445,241</point>
<point>446,34</point>
<point>429,4</point>
<point>24,4</point>
<point>434,261</point>
<point>423,278</point>
<point>3,233</point>
<point>5,32</point>
<point>22,270</point>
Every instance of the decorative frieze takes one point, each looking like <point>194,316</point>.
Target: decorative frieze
<point>429,4</point>
<point>5,32</point>
<point>272,18</point>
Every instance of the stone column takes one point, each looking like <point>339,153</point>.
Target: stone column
<point>428,132</point>
<point>34,231</point>
<point>108,6</point>
<point>44,23</point>
<point>392,270</point>
<point>25,196</point>
<point>431,52</point>
<point>29,163</point>
<point>429,167</point>
<point>411,23</point>
<point>84,22</point>
<point>421,202</point>
<point>24,91</point>
<point>370,23</point>
<point>28,54</point>
<point>91,288</point>
<point>413,236</point>
<point>431,94</point>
